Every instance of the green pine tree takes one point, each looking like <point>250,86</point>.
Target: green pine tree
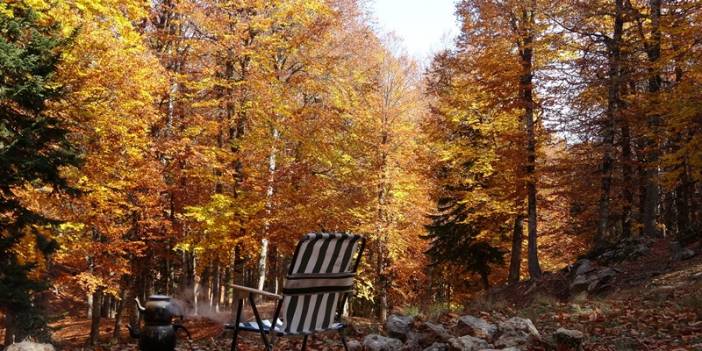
<point>33,148</point>
<point>454,241</point>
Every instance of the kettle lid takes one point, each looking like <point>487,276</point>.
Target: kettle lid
<point>159,298</point>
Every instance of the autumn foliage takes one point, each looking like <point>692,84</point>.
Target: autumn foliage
<point>179,146</point>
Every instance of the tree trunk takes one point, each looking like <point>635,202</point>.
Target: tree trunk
<point>484,278</point>
<point>516,258</point>
<point>196,286</point>
<point>269,208</point>
<point>627,176</point>
<point>95,318</point>
<point>682,192</point>
<point>262,264</point>
<point>652,200</point>
<point>216,287</point>
<point>382,222</point>
<point>612,116</point>
<point>106,306</point>
<point>527,99</point>
<point>120,308</point>
<point>231,279</point>
<point>206,286</point>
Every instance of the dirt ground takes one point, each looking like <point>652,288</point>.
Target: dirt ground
<point>655,303</point>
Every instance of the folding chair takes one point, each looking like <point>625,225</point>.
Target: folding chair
<point>317,286</point>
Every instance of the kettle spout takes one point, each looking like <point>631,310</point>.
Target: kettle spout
<point>139,306</point>
<point>133,332</point>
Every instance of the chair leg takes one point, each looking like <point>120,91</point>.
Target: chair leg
<point>343,340</point>
<point>260,323</point>
<point>240,303</point>
<point>304,343</point>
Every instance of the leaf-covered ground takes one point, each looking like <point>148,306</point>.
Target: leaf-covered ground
<point>655,303</point>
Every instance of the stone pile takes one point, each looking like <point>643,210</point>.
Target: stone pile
<point>468,333</point>
<point>587,277</point>
<point>29,346</point>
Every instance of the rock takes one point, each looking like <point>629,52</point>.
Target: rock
<point>428,334</point>
<point>594,281</point>
<point>600,279</point>
<point>505,349</point>
<point>626,249</point>
<point>30,346</point>
<point>398,326</point>
<point>684,254</point>
<point>681,253</point>
<point>354,345</point>
<point>467,343</point>
<point>637,251</point>
<point>375,342</point>
<point>437,346</point>
<point>567,339</point>
<point>517,331</point>
<point>579,284</point>
<point>473,326</point>
<point>584,266</point>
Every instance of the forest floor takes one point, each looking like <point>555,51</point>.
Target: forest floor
<point>654,303</point>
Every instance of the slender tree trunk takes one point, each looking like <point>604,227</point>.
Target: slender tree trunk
<point>95,318</point>
<point>382,220</point>
<point>196,286</point>
<point>263,257</point>
<point>652,200</point>
<point>627,176</point>
<point>269,208</point>
<point>484,279</point>
<point>206,286</point>
<point>90,305</point>
<point>682,192</point>
<point>628,179</point>
<point>516,258</point>
<point>137,291</point>
<point>232,278</point>
<point>612,116</point>
<point>120,308</point>
<point>106,305</point>
<point>216,288</point>
<point>527,99</point>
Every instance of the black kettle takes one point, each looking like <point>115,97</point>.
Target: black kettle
<point>159,331</point>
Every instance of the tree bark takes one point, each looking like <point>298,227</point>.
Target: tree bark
<point>627,176</point>
<point>484,278</point>
<point>216,287</point>
<point>516,258</point>
<point>196,286</point>
<point>95,318</point>
<point>120,308</point>
<point>613,114</point>
<point>272,158</point>
<point>652,200</point>
<point>527,100</point>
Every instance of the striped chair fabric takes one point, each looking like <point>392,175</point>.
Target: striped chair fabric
<point>320,277</point>
<point>319,280</point>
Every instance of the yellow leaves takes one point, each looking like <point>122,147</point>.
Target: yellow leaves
<point>6,11</point>
<point>28,253</point>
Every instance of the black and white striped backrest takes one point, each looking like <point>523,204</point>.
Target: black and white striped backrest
<point>321,275</point>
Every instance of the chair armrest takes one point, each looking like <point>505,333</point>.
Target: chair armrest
<point>255,291</point>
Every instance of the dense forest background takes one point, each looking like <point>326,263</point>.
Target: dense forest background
<point>180,146</point>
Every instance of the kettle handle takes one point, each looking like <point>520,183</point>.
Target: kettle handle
<point>139,306</point>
